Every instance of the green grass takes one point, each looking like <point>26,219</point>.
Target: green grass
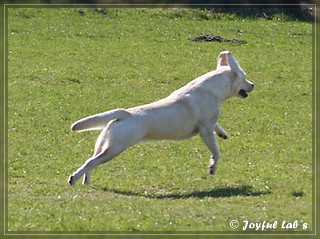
<point>64,65</point>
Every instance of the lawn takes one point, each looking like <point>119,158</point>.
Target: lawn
<point>68,63</point>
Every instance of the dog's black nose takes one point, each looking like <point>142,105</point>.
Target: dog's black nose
<point>251,84</point>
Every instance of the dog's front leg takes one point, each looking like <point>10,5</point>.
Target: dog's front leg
<point>208,136</point>
<point>220,131</point>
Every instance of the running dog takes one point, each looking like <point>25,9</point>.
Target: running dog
<point>192,109</point>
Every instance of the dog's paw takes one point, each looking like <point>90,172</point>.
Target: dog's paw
<point>71,180</point>
<point>223,135</point>
<point>211,172</point>
<point>212,166</point>
<point>212,169</point>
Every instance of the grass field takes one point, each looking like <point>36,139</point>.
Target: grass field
<point>64,64</point>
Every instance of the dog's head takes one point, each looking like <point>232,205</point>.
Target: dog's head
<point>240,85</point>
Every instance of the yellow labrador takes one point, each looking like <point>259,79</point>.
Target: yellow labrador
<point>192,109</point>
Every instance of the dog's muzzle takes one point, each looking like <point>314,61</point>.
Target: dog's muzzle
<point>243,93</point>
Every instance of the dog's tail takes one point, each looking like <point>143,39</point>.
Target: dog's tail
<point>99,121</point>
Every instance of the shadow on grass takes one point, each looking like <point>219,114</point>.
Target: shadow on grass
<point>244,190</point>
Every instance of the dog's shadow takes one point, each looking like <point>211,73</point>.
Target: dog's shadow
<point>243,190</point>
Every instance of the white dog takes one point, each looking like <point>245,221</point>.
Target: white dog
<point>192,109</point>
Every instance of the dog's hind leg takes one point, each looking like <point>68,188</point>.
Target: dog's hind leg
<point>87,168</point>
<point>209,139</point>
<point>90,164</point>
<point>115,138</point>
<point>100,144</point>
<point>86,177</point>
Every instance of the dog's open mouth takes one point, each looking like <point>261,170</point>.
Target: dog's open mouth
<point>243,93</point>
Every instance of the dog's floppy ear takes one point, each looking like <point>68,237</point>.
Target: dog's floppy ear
<point>234,65</point>
<point>223,59</point>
